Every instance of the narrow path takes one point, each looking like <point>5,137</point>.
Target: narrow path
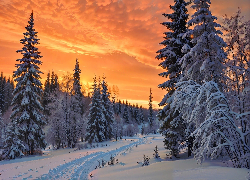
<point>80,168</point>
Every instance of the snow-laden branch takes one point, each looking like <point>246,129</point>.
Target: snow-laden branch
<point>216,133</point>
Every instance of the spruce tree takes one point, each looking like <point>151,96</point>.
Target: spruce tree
<point>200,98</point>
<point>204,61</point>
<point>119,108</point>
<point>151,118</point>
<point>76,76</point>
<point>137,114</point>
<point>107,111</point>
<point>95,128</point>
<point>13,146</point>
<point>27,109</point>
<point>54,85</point>
<point>46,97</point>
<point>2,92</point>
<point>175,47</point>
<point>9,88</point>
<point>1,130</point>
<point>141,115</point>
<point>76,106</point>
<point>125,113</point>
<point>131,112</point>
<point>174,42</point>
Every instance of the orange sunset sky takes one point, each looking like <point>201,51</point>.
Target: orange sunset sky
<point>118,38</point>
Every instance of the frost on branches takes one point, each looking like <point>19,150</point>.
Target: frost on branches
<point>13,145</point>
<point>96,120</point>
<point>107,111</point>
<point>27,110</point>
<point>216,133</point>
<point>237,35</point>
<point>205,60</point>
<point>1,130</point>
<point>76,106</point>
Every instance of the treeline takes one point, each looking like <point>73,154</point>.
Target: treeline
<point>66,110</point>
<point>206,108</point>
<point>72,117</point>
<point>6,89</point>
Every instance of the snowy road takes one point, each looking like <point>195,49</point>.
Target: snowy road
<point>81,167</point>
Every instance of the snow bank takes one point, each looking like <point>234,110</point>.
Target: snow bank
<point>70,164</point>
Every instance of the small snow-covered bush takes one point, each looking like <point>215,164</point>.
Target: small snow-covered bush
<point>112,160</point>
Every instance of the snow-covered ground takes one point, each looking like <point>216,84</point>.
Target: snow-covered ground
<point>80,164</point>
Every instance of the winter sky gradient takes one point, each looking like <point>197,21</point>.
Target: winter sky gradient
<point>117,38</point>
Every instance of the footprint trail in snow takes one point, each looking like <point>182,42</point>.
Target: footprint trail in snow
<point>80,168</point>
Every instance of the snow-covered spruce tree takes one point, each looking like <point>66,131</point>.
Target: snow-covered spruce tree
<point>119,108</point>
<point>1,130</point>
<point>216,134</point>
<point>174,42</point>
<point>151,118</point>
<point>2,92</point>
<point>171,54</point>
<point>95,126</point>
<point>131,113</point>
<point>13,146</point>
<point>54,85</point>
<point>9,88</point>
<point>141,115</point>
<point>136,114</point>
<point>107,111</point>
<point>125,113</point>
<point>204,62</point>
<point>6,90</point>
<point>46,97</point>
<point>76,106</point>
<point>76,76</point>
<point>27,109</point>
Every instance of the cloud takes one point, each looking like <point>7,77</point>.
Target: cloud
<point>121,35</point>
<point>92,27</point>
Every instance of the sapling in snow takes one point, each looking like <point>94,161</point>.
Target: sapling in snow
<point>145,160</point>
<point>156,154</point>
